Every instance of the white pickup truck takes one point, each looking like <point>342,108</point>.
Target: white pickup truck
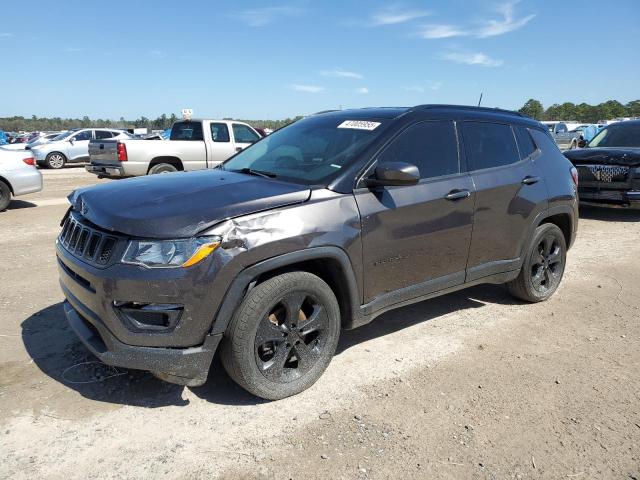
<point>193,145</point>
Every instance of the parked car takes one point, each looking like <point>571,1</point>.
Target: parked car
<point>72,146</point>
<point>193,145</point>
<point>609,166</point>
<point>18,176</point>
<point>321,226</point>
<point>3,138</point>
<point>562,134</point>
<point>43,138</point>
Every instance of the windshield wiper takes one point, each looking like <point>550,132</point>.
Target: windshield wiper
<point>258,173</point>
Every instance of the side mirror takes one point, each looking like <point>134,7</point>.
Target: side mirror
<point>394,174</point>
<point>70,141</point>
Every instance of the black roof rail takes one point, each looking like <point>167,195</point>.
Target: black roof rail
<point>326,111</point>
<point>469,107</point>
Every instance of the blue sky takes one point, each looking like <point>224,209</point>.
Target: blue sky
<point>261,59</point>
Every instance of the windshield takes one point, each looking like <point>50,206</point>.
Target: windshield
<point>620,135</point>
<point>312,151</point>
<point>63,135</point>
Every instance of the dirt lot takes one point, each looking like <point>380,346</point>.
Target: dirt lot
<point>471,385</point>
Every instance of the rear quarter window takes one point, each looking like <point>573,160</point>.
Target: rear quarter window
<point>525,143</point>
<point>187,131</point>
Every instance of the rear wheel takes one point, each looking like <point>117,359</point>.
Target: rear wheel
<point>5,196</point>
<point>543,265</point>
<point>162,168</point>
<point>55,160</point>
<point>283,336</point>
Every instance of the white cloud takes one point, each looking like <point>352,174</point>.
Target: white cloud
<point>442,31</point>
<point>472,59</point>
<point>488,28</point>
<point>423,88</point>
<point>507,24</point>
<point>339,73</point>
<point>259,17</point>
<point>307,88</point>
<point>394,15</point>
<point>362,90</point>
<point>6,35</point>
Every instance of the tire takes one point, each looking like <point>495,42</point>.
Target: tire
<point>55,160</point>
<point>283,336</point>
<point>162,168</point>
<point>5,196</point>
<point>543,265</point>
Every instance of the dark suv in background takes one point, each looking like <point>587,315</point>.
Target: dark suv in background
<point>321,226</point>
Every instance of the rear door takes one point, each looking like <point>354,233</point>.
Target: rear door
<point>221,144</point>
<point>510,192</point>
<point>243,136</point>
<point>418,236</point>
<point>187,144</point>
<point>78,150</point>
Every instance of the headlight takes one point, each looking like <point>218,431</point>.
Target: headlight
<point>169,253</point>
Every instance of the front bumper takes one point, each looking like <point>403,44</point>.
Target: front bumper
<point>620,198</point>
<point>105,170</point>
<point>184,366</point>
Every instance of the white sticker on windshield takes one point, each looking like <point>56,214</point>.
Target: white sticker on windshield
<point>359,125</point>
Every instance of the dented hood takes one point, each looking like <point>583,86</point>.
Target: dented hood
<point>604,156</point>
<point>179,205</point>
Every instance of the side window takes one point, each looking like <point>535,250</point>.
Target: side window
<point>100,134</point>
<point>525,142</point>
<point>489,145</point>
<point>187,131</point>
<point>244,134</point>
<point>220,132</point>
<point>544,141</point>
<point>431,146</point>
<point>84,135</point>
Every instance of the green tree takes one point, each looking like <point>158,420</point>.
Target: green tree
<point>532,108</point>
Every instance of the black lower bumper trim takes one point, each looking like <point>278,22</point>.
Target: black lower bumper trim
<point>184,366</point>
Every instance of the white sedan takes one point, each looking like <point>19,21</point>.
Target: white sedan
<point>18,175</point>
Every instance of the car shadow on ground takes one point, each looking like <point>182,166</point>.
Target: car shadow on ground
<point>55,349</point>
<point>609,214</point>
<point>19,204</point>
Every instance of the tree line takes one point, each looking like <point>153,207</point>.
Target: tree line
<point>582,112</point>
<point>34,123</point>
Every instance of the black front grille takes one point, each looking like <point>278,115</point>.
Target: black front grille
<point>87,242</point>
<point>603,173</point>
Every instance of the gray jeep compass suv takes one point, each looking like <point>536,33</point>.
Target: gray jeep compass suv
<point>321,226</point>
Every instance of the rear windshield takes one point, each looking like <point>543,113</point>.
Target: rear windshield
<point>187,131</point>
<point>618,136</point>
<point>312,151</point>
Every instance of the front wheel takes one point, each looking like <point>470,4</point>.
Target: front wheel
<point>543,265</point>
<point>283,336</point>
<point>55,160</point>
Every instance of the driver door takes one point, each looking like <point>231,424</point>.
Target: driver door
<point>243,136</point>
<point>78,150</point>
<point>417,237</point>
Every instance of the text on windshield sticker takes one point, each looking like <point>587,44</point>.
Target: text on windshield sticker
<point>359,125</point>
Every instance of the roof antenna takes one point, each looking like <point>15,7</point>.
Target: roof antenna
<point>480,101</point>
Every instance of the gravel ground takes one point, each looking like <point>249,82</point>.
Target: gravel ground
<point>470,385</point>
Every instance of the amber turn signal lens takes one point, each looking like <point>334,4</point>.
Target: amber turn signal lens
<point>203,252</point>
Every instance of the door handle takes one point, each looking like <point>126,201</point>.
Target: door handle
<point>238,149</point>
<point>530,180</point>
<point>457,194</point>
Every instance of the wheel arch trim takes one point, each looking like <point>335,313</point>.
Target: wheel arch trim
<point>238,288</point>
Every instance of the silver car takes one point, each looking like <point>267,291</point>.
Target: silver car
<point>18,175</point>
<point>72,146</point>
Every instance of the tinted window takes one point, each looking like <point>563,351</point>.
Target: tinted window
<point>220,132</point>
<point>430,146</point>
<point>244,134</point>
<point>103,134</point>
<point>621,135</point>
<point>187,131</point>
<point>525,142</point>
<point>489,145</point>
<point>84,135</point>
